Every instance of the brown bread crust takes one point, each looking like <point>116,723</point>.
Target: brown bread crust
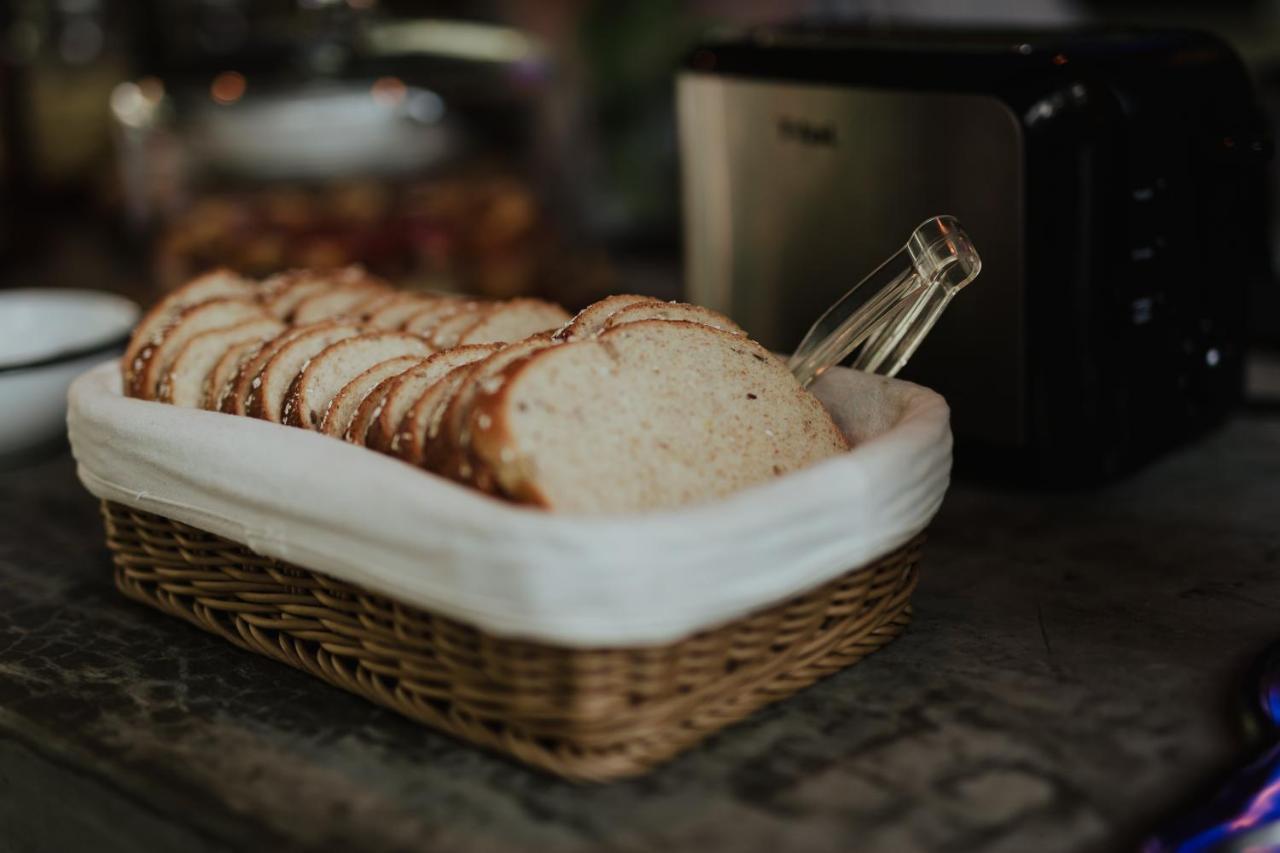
<point>216,284</point>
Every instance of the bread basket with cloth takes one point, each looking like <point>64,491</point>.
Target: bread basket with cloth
<point>591,646</point>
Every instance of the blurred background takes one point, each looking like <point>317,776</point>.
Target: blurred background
<point>498,147</point>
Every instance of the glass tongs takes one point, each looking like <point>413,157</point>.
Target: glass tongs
<point>891,311</point>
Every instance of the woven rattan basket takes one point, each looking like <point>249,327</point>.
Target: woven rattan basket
<point>587,714</point>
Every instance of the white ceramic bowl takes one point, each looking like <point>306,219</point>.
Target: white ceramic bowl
<point>47,338</point>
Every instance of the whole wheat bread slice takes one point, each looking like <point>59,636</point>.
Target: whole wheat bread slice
<point>421,424</point>
<point>332,368</point>
<point>369,409</point>
<point>648,415</point>
<point>591,319</point>
<point>234,399</point>
<point>672,311</point>
<point>514,320</point>
<point>186,383</point>
<point>217,284</point>
<point>343,407</point>
<point>224,372</point>
<point>153,360</point>
<point>450,454</point>
<point>410,385</point>
<point>268,389</point>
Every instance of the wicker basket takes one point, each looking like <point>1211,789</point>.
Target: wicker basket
<point>587,714</point>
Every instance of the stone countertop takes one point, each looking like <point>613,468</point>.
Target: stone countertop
<point>1068,682</point>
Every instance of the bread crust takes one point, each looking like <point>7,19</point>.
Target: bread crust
<point>671,311</point>
<point>450,455</point>
<point>202,353</point>
<point>153,359</point>
<point>401,396</point>
<point>591,319</point>
<point>220,283</point>
<point>282,365</point>
<point>303,408</point>
<point>344,405</point>
<point>410,386</point>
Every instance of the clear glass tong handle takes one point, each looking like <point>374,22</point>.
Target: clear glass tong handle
<point>891,311</point>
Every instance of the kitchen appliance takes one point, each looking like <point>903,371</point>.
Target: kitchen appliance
<point>1114,180</point>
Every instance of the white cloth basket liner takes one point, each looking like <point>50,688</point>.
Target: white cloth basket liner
<point>580,581</point>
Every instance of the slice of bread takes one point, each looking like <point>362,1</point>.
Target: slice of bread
<point>218,284</point>
<point>187,381</point>
<point>425,321</point>
<point>672,311</point>
<point>224,372</point>
<point>268,389</point>
<point>647,415</point>
<point>392,314</point>
<point>448,332</point>
<point>342,408</point>
<point>411,384</point>
<point>450,455</point>
<point>591,319</point>
<point>329,370</point>
<point>514,320</point>
<point>283,292</point>
<point>421,423</point>
<point>339,301</point>
<point>152,362</point>
<point>369,409</point>
<point>235,397</point>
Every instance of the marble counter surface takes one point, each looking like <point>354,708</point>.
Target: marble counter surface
<point>1067,683</point>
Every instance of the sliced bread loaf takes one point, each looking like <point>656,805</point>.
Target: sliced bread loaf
<point>410,385</point>
<point>514,320</point>
<point>153,360</point>
<point>187,381</point>
<point>591,319</point>
<point>218,284</point>
<point>269,388</point>
<point>342,408</point>
<point>672,311</point>
<point>647,415</point>
<point>329,370</point>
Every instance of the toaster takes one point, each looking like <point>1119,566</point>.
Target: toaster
<point>1113,182</point>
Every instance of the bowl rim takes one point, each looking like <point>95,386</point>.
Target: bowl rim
<point>101,345</point>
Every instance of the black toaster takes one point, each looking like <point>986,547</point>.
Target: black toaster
<point>1113,182</point>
